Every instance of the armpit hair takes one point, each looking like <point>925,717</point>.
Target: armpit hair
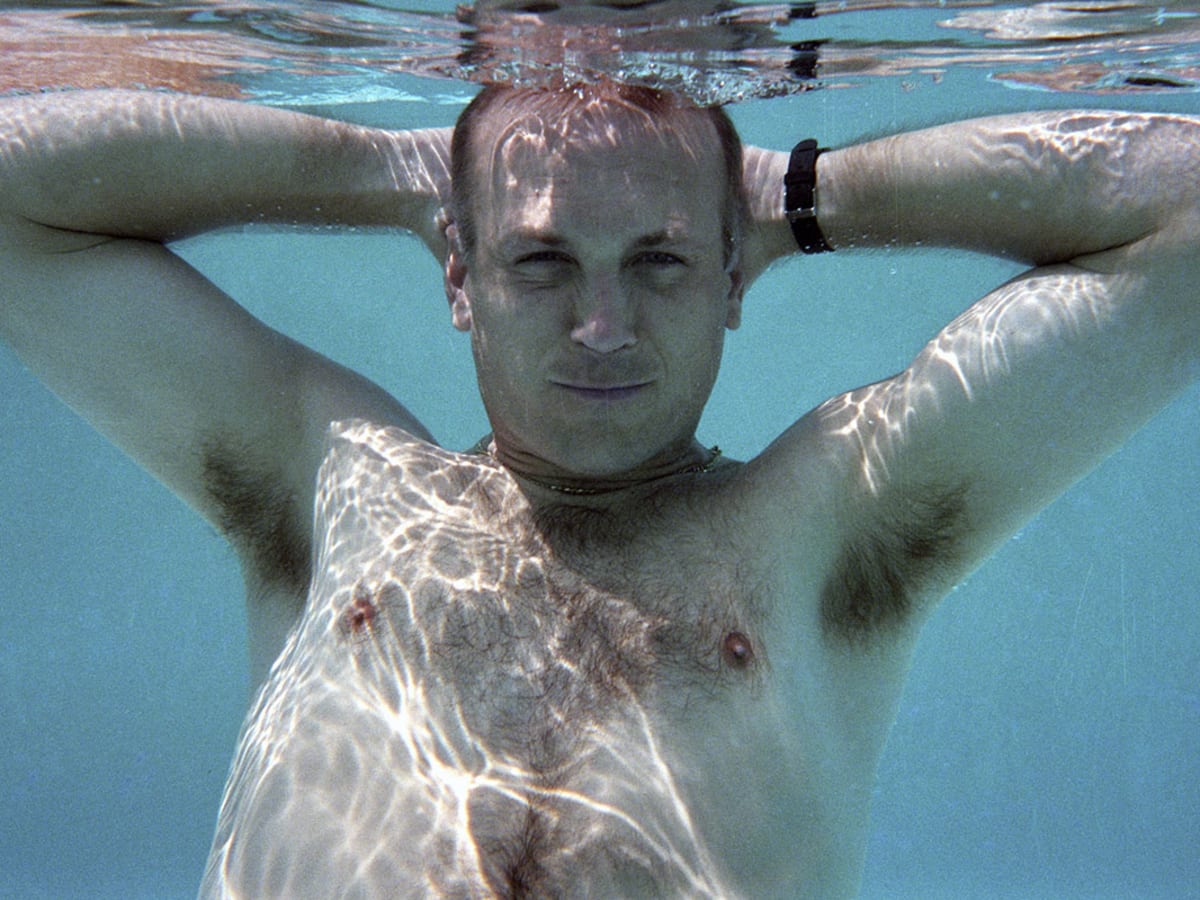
<point>258,516</point>
<point>878,574</point>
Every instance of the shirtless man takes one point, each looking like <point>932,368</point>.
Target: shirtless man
<point>593,657</point>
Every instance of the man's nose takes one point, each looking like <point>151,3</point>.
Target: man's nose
<point>605,318</point>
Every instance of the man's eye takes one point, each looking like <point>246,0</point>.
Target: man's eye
<point>544,268</point>
<point>542,258</point>
<point>659,259</point>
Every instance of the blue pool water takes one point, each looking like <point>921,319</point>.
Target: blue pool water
<point>1048,744</point>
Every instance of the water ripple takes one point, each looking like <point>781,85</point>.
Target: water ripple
<point>301,52</point>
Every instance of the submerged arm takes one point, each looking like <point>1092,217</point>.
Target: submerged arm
<point>1034,384</point>
<point>1038,188</point>
<point>228,413</point>
<point>161,166</point>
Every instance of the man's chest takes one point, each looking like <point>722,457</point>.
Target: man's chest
<point>535,637</point>
<point>501,702</point>
<point>554,662</point>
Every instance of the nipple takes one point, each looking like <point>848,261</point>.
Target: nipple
<point>736,650</point>
<point>359,615</point>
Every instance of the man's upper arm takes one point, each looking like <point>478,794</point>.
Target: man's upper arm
<point>1015,400</point>
<point>1036,383</point>
<point>228,413</point>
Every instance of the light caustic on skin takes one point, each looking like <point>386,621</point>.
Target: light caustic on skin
<point>452,707</point>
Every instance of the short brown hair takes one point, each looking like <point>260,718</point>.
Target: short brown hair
<point>558,103</point>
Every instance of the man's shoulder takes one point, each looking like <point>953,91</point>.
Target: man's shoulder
<point>388,441</point>
<point>394,472</point>
<point>868,551</point>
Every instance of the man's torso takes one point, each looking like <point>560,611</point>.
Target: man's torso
<point>483,700</point>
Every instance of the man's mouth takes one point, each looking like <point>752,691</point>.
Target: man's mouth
<point>606,392</point>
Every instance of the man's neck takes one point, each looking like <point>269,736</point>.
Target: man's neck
<point>565,487</point>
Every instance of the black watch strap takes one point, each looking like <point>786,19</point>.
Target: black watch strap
<point>800,197</point>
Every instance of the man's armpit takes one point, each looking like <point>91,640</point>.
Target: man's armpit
<point>880,571</point>
<point>258,516</point>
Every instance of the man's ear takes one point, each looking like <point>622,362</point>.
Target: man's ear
<point>737,289</point>
<point>455,280</point>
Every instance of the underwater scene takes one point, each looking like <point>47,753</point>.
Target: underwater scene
<point>1047,743</point>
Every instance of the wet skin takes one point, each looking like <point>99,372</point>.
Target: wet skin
<point>597,298</point>
<point>638,699</point>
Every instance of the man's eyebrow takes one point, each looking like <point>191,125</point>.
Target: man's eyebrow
<point>665,237</point>
<point>654,239</point>
<point>524,236</point>
<point>544,238</point>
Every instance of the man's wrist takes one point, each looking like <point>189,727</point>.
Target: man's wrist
<point>800,198</point>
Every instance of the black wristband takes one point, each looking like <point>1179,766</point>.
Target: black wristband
<point>800,197</point>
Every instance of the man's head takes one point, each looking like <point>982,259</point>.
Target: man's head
<point>577,110</point>
<point>594,257</point>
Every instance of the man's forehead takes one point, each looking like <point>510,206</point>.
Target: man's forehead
<point>534,187</point>
<point>646,207</point>
<point>598,134</point>
<point>591,165</point>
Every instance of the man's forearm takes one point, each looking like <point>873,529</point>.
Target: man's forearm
<point>1039,188</point>
<point>159,166</point>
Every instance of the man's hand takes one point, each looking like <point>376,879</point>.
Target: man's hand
<point>768,236</point>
